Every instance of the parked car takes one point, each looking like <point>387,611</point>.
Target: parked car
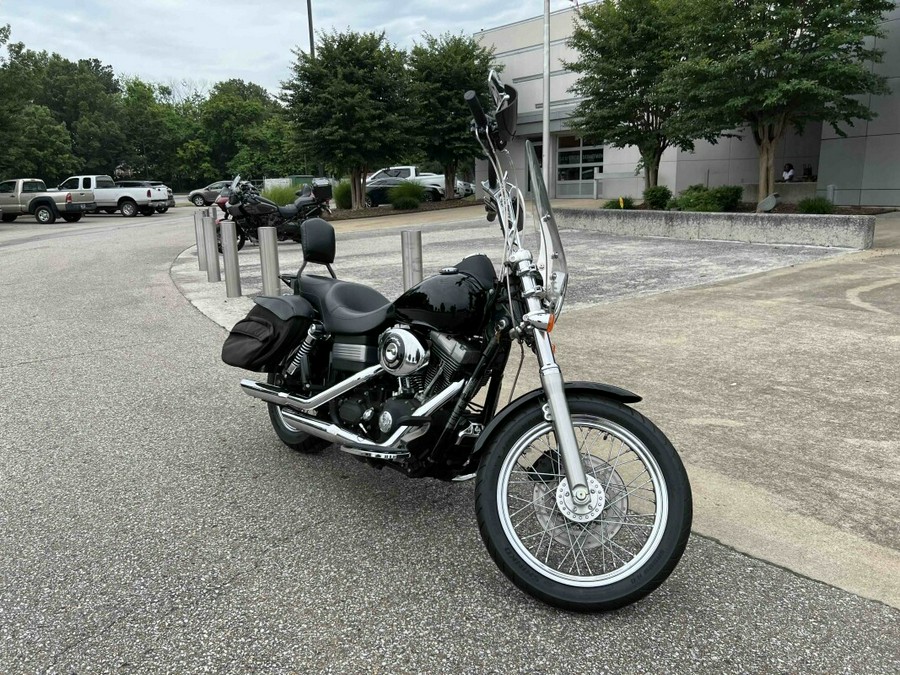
<point>207,195</point>
<point>410,172</point>
<point>377,191</point>
<point>170,201</point>
<point>30,195</point>
<point>111,198</point>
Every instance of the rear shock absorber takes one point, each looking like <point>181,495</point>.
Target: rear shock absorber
<point>301,358</point>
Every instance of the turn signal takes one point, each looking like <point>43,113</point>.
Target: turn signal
<point>551,322</point>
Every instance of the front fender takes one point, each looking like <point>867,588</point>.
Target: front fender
<point>605,390</point>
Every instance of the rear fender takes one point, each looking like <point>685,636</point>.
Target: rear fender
<point>533,397</point>
<point>43,201</point>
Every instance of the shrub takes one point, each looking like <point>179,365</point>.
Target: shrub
<point>343,198</point>
<point>281,195</point>
<point>815,205</point>
<point>406,195</point>
<point>657,197</point>
<point>620,203</point>
<point>701,198</point>
<point>727,196</point>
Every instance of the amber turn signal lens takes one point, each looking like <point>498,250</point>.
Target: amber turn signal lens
<point>551,322</point>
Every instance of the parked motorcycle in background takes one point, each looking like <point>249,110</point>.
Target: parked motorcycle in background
<point>251,211</point>
<point>581,501</point>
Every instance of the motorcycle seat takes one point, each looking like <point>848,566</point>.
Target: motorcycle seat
<point>287,212</point>
<point>304,201</point>
<point>346,308</point>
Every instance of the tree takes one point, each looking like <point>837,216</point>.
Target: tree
<point>442,70</point>
<point>350,104</point>
<point>625,48</point>
<point>771,65</point>
<point>43,147</point>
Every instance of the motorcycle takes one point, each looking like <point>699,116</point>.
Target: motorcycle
<point>250,210</point>
<point>581,501</point>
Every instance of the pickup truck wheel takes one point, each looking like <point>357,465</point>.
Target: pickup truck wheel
<point>162,209</point>
<point>429,196</point>
<point>198,200</point>
<point>149,211</point>
<point>9,217</point>
<point>72,217</point>
<point>109,211</point>
<point>44,215</point>
<point>129,208</point>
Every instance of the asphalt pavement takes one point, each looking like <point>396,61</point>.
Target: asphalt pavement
<point>150,521</point>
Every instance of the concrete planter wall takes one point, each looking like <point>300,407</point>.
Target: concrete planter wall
<point>758,228</point>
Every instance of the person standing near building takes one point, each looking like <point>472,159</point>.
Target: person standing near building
<point>788,174</point>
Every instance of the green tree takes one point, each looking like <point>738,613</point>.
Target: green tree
<point>351,104</point>
<point>43,148</point>
<point>443,69</point>
<point>771,65</point>
<point>625,48</point>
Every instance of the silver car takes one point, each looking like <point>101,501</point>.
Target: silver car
<point>206,196</point>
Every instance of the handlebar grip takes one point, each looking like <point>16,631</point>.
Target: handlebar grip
<point>477,111</point>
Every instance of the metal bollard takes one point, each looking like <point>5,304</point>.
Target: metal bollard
<point>228,235</point>
<point>201,240</point>
<point>268,260</point>
<point>829,192</point>
<point>411,253</point>
<point>212,250</point>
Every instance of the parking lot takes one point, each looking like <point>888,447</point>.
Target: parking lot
<point>151,521</point>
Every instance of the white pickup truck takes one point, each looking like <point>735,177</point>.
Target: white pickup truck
<point>111,198</point>
<point>422,177</point>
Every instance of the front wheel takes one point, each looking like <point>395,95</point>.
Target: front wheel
<point>632,534</point>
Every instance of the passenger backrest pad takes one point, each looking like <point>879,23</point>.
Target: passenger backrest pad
<point>317,239</point>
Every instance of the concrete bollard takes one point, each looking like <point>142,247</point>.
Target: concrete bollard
<point>228,235</point>
<point>829,192</point>
<point>212,250</point>
<point>201,240</point>
<point>411,253</point>
<point>268,260</point>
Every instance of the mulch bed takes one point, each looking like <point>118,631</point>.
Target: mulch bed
<point>346,214</point>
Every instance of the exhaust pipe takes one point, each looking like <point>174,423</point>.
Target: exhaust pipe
<point>360,445</point>
<point>279,396</point>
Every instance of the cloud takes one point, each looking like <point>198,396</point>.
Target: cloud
<point>165,40</point>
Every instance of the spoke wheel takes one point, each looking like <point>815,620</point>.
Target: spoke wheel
<point>618,548</point>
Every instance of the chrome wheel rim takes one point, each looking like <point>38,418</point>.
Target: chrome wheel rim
<point>614,544</point>
<point>44,215</point>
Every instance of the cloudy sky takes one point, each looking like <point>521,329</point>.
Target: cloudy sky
<point>204,42</point>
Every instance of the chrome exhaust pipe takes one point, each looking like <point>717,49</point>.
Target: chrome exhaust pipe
<point>278,396</point>
<point>359,445</point>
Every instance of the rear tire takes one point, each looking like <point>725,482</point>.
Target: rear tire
<point>198,200</point>
<point>109,211</point>
<point>295,440</point>
<point>9,217</point>
<point>72,217</point>
<point>128,208</point>
<point>162,209</point>
<point>631,541</point>
<point>44,215</point>
<point>149,211</point>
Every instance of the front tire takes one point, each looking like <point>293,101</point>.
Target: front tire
<point>640,515</point>
<point>295,440</point>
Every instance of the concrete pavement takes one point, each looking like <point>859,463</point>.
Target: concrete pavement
<point>151,522</point>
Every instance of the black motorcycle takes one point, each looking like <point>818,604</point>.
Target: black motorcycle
<point>250,210</point>
<point>581,501</point>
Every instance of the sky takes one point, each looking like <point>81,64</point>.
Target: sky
<point>168,41</point>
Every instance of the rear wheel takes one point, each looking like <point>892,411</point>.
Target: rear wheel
<point>44,215</point>
<point>71,217</point>
<point>295,440</point>
<point>9,217</point>
<point>148,211</point>
<point>198,200</point>
<point>108,210</point>
<point>631,536</point>
<point>128,208</point>
<point>162,209</point>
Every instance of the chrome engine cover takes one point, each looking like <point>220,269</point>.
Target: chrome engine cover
<point>400,352</point>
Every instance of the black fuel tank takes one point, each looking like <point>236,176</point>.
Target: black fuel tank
<point>451,302</point>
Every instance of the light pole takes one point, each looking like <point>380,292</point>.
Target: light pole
<point>545,144</point>
<point>312,46</point>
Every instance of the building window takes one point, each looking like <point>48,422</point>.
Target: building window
<point>578,165</point>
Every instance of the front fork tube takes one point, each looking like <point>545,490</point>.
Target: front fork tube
<point>552,381</point>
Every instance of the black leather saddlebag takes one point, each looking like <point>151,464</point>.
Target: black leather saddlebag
<point>262,340</point>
